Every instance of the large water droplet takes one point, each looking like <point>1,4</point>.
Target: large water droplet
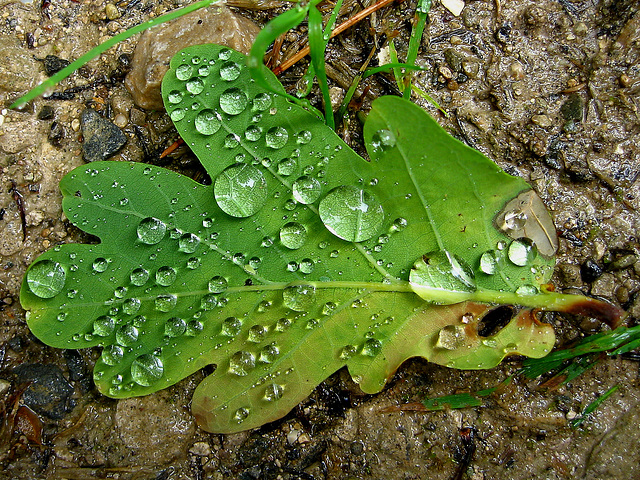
<point>218,284</point>
<point>257,333</point>
<point>299,297</point>
<point>276,137</point>
<point>371,347</point>
<point>151,230</point>
<point>293,235</point>
<point>184,72</point>
<point>233,101</point>
<point>126,335</point>
<point>112,355</point>
<point>240,190</point>
<point>351,213</point>
<point>527,290</point>
<point>273,392</point>
<point>442,277</point>
<point>104,325</point>
<point>177,114</point>
<point>231,327</point>
<point>304,137</point>
<point>46,278</point>
<point>489,262</point>
<point>451,337</point>
<point>382,140</point>
<point>269,353</point>
<point>131,306</point>
<point>100,265</point>
<point>253,133</point>
<point>287,167</point>
<point>139,277</point>
<point>306,265</point>
<point>146,370</point>
<point>521,252</point>
<point>195,85</point>
<point>306,190</point>
<point>165,276</point>
<point>174,327</point>
<point>194,327</point>
<point>188,243</point>
<point>165,303</point>
<point>241,414</point>
<point>229,71</point>
<point>175,96</point>
<point>241,363</point>
<point>207,122</point>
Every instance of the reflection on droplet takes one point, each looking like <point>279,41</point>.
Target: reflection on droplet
<point>293,235</point>
<point>299,297</point>
<point>241,363</point>
<point>100,265</point>
<point>146,370</point>
<point>184,72</point>
<point>151,230</point>
<point>46,278</point>
<point>131,306</point>
<point>207,122</point>
<point>521,252</point>
<point>257,333</point>
<point>442,277</point>
<point>269,353</point>
<point>112,355</point>
<point>218,284</point>
<point>231,327</point>
<point>382,140</point>
<point>174,327</point>
<point>306,190</point>
<point>371,347</point>
<point>351,213</point>
<point>165,276</point>
<point>276,137</point>
<point>233,101</point>
<point>287,166</point>
<point>104,325</point>
<point>240,190</point>
<point>306,265</point>
<point>231,141</point>
<point>195,86</point>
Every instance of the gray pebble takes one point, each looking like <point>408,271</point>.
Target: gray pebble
<point>102,139</point>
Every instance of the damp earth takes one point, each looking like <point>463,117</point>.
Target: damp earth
<point>547,90</point>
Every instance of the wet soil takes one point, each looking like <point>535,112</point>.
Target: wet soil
<point>548,89</point>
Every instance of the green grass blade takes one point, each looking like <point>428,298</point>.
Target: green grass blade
<point>576,422</point>
<point>103,47</point>
<point>317,45</point>
<point>414,45</point>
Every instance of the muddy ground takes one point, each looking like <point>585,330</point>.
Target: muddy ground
<point>548,89</point>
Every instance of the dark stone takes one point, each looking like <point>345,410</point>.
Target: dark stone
<point>53,64</point>
<point>102,139</point>
<point>56,134</point>
<point>590,271</point>
<point>46,113</point>
<point>573,108</point>
<point>78,370</point>
<point>48,393</point>
<point>503,34</point>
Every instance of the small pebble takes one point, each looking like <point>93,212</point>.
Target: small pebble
<point>541,120</point>
<point>120,120</point>
<point>590,271</point>
<point>102,139</point>
<point>624,80</point>
<point>445,72</point>
<point>112,11</point>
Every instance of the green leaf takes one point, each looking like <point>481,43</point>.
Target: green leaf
<point>297,261</point>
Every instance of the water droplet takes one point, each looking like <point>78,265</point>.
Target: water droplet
<point>276,137</point>
<point>151,231</point>
<point>231,141</point>
<point>165,276</point>
<point>131,306</point>
<point>193,263</point>
<point>253,133</point>
<point>177,114</point>
<point>306,265</point>
<point>262,102</point>
<point>521,252</point>
<point>139,277</point>
<point>240,190</point>
<point>292,266</point>
<point>188,243</point>
<point>126,335</point>
<point>299,297</point>
<point>273,392</point>
<point>165,303</point>
<point>112,355</point>
<point>218,284</point>
<point>207,122</point>
<point>489,342</point>
<point>233,101</point>
<point>348,351</point>
<point>383,140</point>
<point>61,317</point>
<point>204,70</point>
<point>293,235</point>
<point>489,262</point>
<point>328,308</point>
<point>124,202</point>
<point>241,414</point>
<point>269,353</point>
<point>257,333</point>
<point>146,370</point>
<point>230,71</point>
<point>351,213</point>
<point>527,290</point>
<point>371,347</point>
<point>514,220</point>
<point>194,327</point>
<point>267,242</point>
<point>175,96</point>
<point>283,324</point>
<point>287,166</point>
<point>195,86</point>
<point>399,224</point>
<point>46,278</point>
<point>174,327</point>
<point>231,327</point>
<point>241,363</point>
<point>451,337</point>
<point>209,302</point>
<point>442,277</point>
<point>104,325</point>
<point>304,137</point>
<point>306,190</point>
<point>184,72</point>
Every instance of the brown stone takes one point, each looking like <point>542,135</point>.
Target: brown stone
<point>216,24</point>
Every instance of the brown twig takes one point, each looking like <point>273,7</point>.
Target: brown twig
<point>171,148</point>
<point>337,31</point>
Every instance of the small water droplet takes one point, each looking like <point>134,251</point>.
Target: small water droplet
<point>193,263</point>
<point>269,353</point>
<point>139,277</point>
<point>241,414</point>
<point>299,298</point>
<point>382,140</point>
<point>174,327</point>
<point>489,262</point>
<point>177,114</point>
<point>104,325</point>
<point>231,327</point>
<point>267,242</point>
<point>207,122</point>
<point>253,133</point>
<point>218,284</point>
<point>399,224</point>
<point>131,306</point>
<point>451,337</point>
<point>304,137</point>
<point>241,363</point>
<point>287,167</point>
<point>230,71</point>
<point>188,243</point>
<point>348,351</point>
<point>46,278</point>
<point>371,347</point>
<point>151,230</point>
<point>165,303</point>
<point>126,335</point>
<point>293,235</point>
<point>306,265</point>
<point>194,327</point>
<point>112,355</point>
<point>273,392</point>
<point>233,101</point>
<point>231,141</point>
<point>184,72</point>
<point>306,190</point>
<point>262,102</point>
<point>257,333</point>
<point>146,370</point>
<point>175,96</point>
<point>165,276</point>
<point>276,137</point>
<point>194,85</point>
<point>527,290</point>
<point>209,302</point>
<point>240,190</point>
<point>521,252</point>
<point>204,70</point>
<point>351,213</point>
